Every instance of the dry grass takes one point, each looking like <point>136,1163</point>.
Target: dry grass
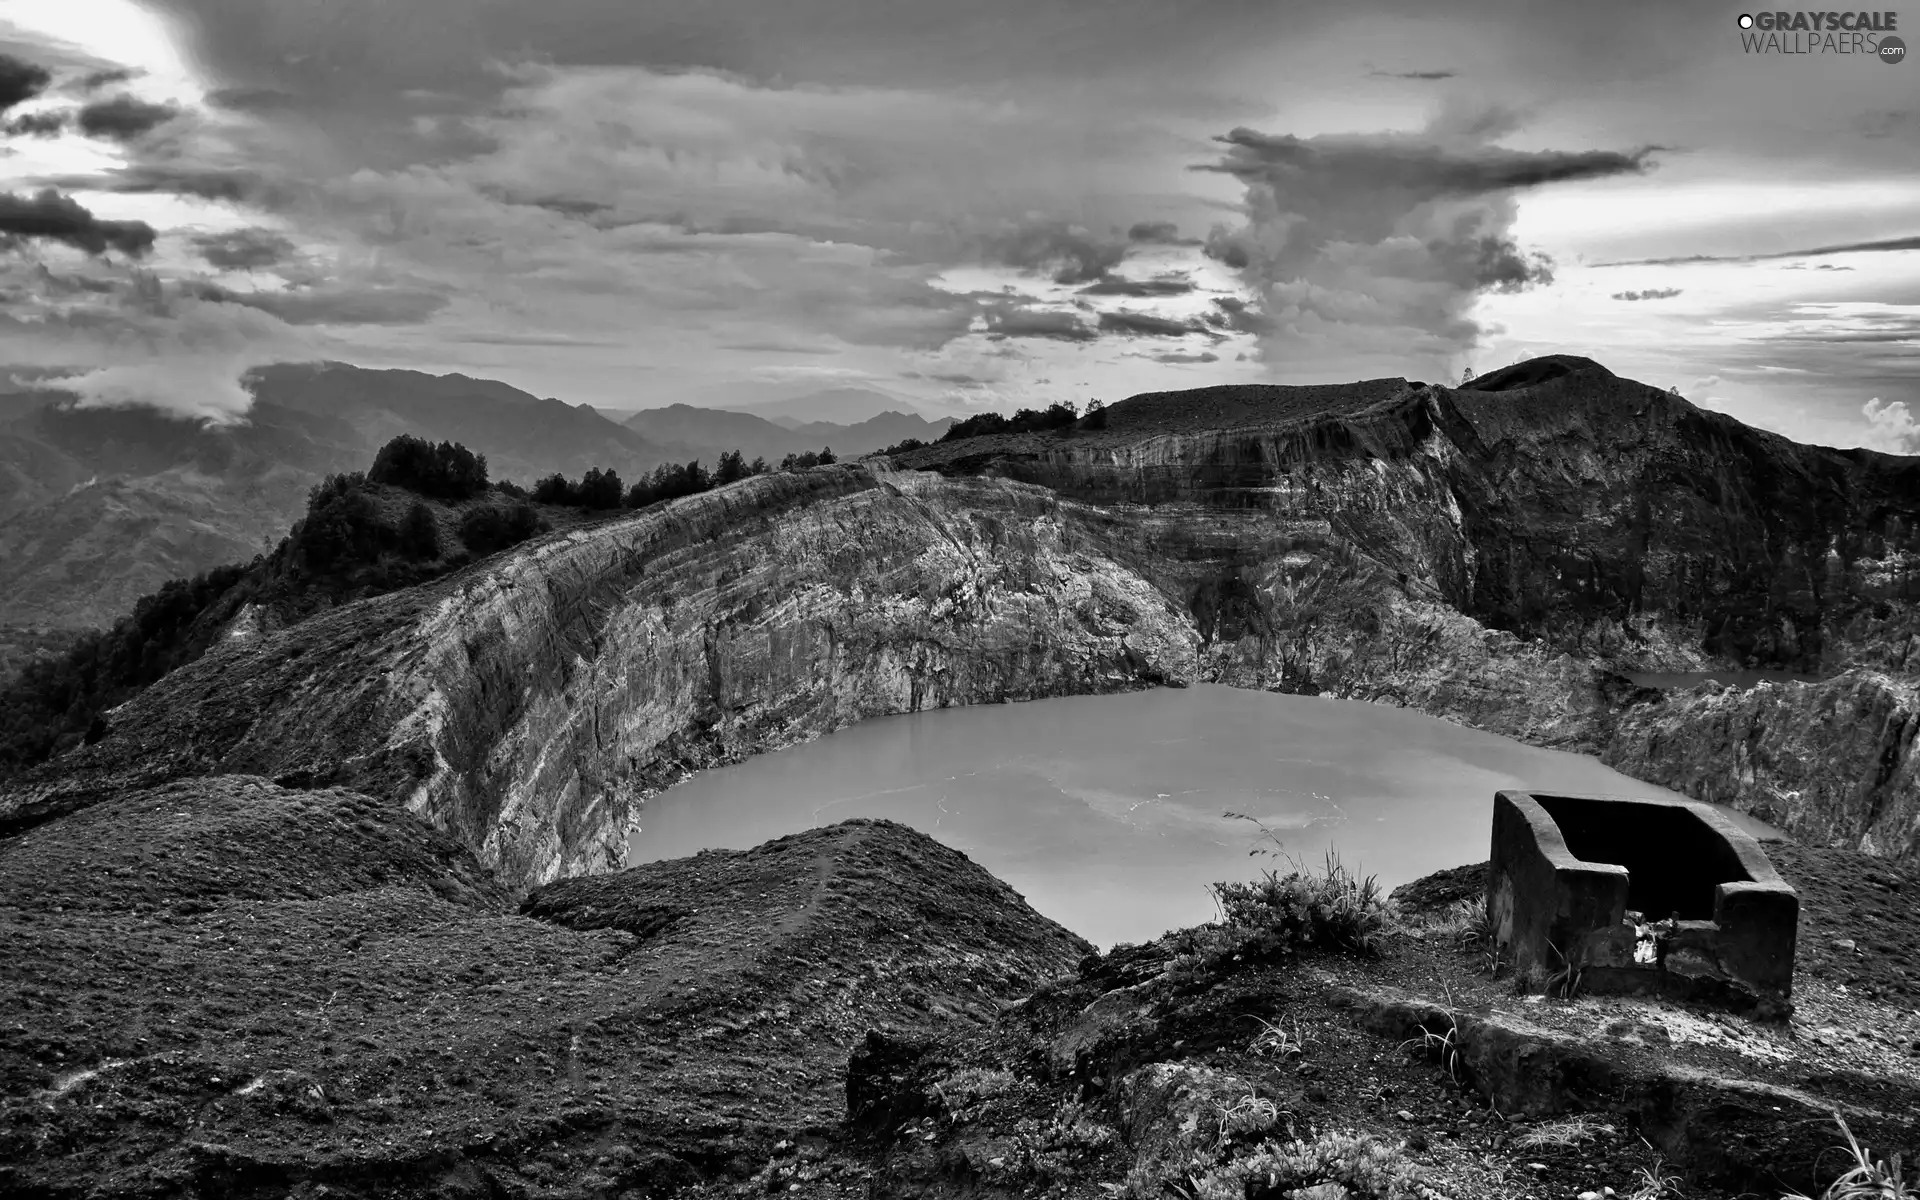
<point>1564,1133</point>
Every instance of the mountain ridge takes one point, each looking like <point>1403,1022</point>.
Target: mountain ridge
<point>1497,557</point>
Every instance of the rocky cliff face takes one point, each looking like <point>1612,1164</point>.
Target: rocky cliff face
<point>1495,556</point>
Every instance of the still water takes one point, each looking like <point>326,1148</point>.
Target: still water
<point>1105,812</point>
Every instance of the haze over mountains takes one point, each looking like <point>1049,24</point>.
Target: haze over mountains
<point>100,506</point>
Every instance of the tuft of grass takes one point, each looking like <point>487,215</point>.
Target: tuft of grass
<point>1656,1183</point>
<point>1565,1133</point>
<point>1867,1179</point>
<point>1443,1048</point>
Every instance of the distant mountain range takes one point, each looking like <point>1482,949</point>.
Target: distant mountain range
<point>99,507</point>
<point>709,431</point>
<point>838,406</point>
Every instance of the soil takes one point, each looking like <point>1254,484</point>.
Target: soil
<point>224,986</point>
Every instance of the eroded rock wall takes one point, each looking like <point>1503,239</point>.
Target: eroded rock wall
<point>1491,559</point>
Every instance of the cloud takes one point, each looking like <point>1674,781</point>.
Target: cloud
<point>1239,316</point>
<point>1891,427</point>
<point>1367,251</point>
<point>1424,75</point>
<point>124,338</point>
<point>21,81</point>
<point>39,124</point>
<point>244,249</point>
<point>1205,356</point>
<point>332,304</point>
<point>253,100</point>
<point>53,217</point>
<point>1113,285</point>
<point>1878,246</point>
<point>1163,233</point>
<point>1146,325</point>
<point>124,118</point>
<point>1017,321</point>
<point>228,184</point>
<point>1649,294</point>
<point>95,80</point>
<point>1066,252</point>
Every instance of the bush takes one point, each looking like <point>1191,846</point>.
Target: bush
<point>420,534</point>
<point>800,462</point>
<point>447,471</point>
<point>493,527</point>
<point>1280,916</point>
<point>58,701</point>
<point>555,489</point>
<point>599,490</point>
<point>342,527</point>
<point>1364,1165</point>
<point>1057,415</point>
<point>901,447</point>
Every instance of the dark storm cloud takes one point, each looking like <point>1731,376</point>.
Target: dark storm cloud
<point>40,124</point>
<point>243,249</point>
<point>1337,163</point>
<point>1146,325</point>
<point>21,81</point>
<point>1067,253</point>
<point>123,118</point>
<point>1649,294</point>
<point>1012,321</point>
<point>1239,316</point>
<point>1113,285</point>
<point>1368,250</point>
<point>100,79</point>
<point>155,179</point>
<point>329,306</point>
<point>1160,233</point>
<point>56,218</point>
<point>1883,245</point>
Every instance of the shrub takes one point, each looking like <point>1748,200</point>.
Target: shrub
<point>809,458</point>
<point>1280,916</point>
<point>342,527</point>
<point>57,701</point>
<point>555,489</point>
<point>448,471</point>
<point>904,445</point>
<point>493,527</point>
<point>1363,1164</point>
<point>420,534</point>
<point>599,490</point>
<point>1057,415</point>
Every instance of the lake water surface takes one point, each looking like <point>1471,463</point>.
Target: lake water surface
<point>1105,812</point>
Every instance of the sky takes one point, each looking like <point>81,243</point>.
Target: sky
<point>996,204</point>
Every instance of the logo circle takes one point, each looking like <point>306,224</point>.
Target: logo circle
<point>1892,50</point>
<point>1746,20</point>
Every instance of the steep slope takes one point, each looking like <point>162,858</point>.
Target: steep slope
<point>227,987</point>
<point>101,505</point>
<point>1497,557</point>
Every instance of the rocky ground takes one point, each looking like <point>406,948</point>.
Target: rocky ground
<point>223,986</point>
<point>1134,1077</point>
